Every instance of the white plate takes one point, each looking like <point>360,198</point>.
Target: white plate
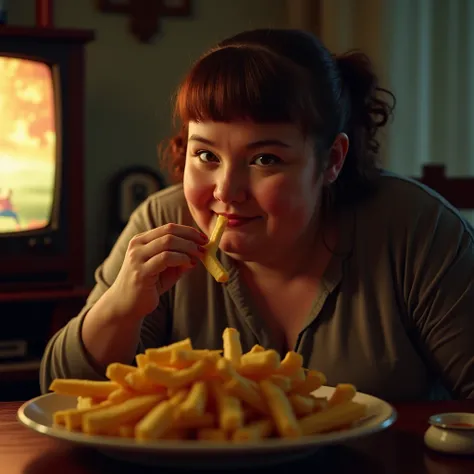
<point>37,414</point>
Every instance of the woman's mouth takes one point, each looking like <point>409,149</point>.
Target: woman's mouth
<point>235,220</point>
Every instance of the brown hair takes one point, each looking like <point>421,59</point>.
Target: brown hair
<point>281,75</point>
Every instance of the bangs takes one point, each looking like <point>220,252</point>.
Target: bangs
<point>245,83</point>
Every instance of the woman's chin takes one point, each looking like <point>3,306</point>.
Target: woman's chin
<point>238,252</point>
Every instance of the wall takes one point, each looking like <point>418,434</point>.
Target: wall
<point>129,84</point>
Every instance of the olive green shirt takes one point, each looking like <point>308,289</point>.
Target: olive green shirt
<point>393,315</point>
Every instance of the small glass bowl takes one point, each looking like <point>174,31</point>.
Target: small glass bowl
<point>451,433</point>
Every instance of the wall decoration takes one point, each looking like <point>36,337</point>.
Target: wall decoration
<point>145,15</point>
<point>127,190</point>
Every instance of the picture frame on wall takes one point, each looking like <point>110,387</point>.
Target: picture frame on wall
<point>127,190</point>
<point>145,16</point>
<point>131,187</point>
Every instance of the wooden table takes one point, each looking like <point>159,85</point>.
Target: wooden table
<point>399,449</point>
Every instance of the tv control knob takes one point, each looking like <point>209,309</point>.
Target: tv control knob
<point>32,242</point>
<point>47,241</point>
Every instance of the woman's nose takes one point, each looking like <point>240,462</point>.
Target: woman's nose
<point>231,187</point>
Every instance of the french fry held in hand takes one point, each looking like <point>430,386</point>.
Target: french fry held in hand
<point>181,393</point>
<point>209,259</point>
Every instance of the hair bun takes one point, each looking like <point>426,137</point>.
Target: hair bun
<point>369,111</point>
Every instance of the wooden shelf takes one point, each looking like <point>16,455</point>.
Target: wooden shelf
<point>43,312</point>
<point>45,295</point>
<point>19,372</point>
<point>46,34</point>
<point>22,366</point>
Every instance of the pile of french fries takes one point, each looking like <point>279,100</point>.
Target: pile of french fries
<point>180,393</point>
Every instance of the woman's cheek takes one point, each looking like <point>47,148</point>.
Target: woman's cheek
<point>273,196</point>
<point>197,188</point>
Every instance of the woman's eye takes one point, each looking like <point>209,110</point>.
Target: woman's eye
<point>266,160</point>
<point>206,156</point>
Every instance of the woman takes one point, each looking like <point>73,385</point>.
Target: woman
<point>367,275</point>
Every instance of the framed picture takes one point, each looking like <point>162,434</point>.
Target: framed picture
<point>127,190</point>
<point>130,188</point>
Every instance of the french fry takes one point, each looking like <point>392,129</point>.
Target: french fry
<point>230,413</point>
<point>232,346</point>
<point>85,402</point>
<point>162,355</point>
<point>83,388</point>
<point>195,403</point>
<point>213,266</point>
<point>182,359</point>
<point>332,418</point>
<point>141,360</point>
<point>259,365</point>
<point>291,363</point>
<point>130,411</point>
<point>161,358</point>
<point>120,395</point>
<point>256,348</point>
<point>312,382</point>
<point>117,372</point>
<point>306,404</point>
<point>72,419</point>
<point>344,392</point>
<point>281,410</point>
<point>139,382</point>
<point>156,422</point>
<point>178,379</point>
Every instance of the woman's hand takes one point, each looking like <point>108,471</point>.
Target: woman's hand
<point>154,262</point>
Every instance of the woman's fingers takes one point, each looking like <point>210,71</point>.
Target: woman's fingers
<point>168,259</point>
<point>185,232</point>
<point>166,243</point>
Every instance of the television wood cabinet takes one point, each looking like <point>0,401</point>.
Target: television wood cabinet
<point>34,316</point>
<point>41,286</point>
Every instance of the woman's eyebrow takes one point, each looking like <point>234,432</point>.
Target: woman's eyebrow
<point>250,146</point>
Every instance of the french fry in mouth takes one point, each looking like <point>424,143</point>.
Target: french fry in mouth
<point>213,266</point>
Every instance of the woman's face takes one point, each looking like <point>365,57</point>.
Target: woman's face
<point>263,177</point>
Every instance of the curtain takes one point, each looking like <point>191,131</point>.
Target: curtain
<point>430,62</point>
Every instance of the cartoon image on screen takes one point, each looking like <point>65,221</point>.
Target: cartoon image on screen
<point>27,145</point>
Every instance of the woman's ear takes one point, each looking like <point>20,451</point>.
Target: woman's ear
<point>337,155</point>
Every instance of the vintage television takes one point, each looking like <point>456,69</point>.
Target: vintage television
<point>41,158</point>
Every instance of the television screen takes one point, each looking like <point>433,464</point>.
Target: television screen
<point>27,145</point>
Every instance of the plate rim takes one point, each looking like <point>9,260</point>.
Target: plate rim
<point>204,447</point>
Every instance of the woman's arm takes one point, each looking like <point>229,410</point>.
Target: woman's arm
<point>100,334</point>
<point>440,297</point>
